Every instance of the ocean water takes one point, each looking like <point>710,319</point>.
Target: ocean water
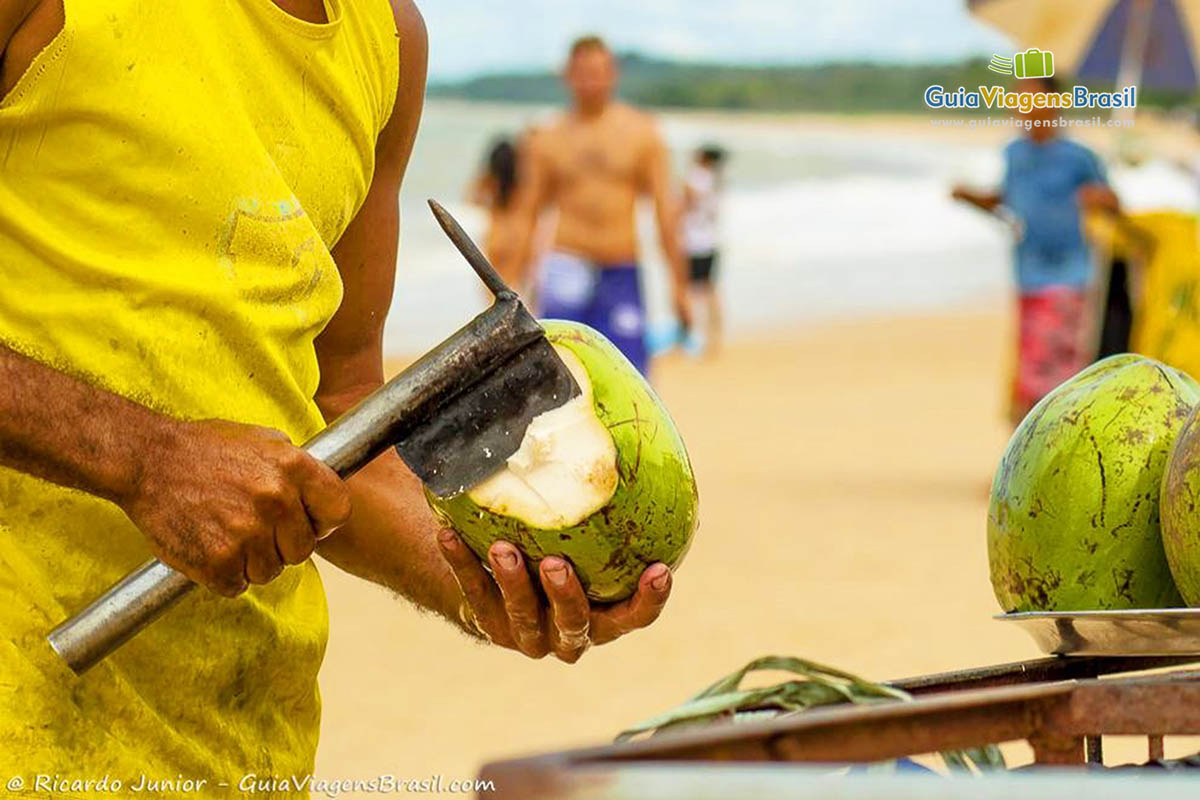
<point>818,221</point>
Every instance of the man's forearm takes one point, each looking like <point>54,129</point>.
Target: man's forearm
<point>668,237</point>
<point>984,201</point>
<point>1099,197</point>
<point>391,538</point>
<point>67,431</point>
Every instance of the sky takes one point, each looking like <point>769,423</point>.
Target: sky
<point>472,37</point>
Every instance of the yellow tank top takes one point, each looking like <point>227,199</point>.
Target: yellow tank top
<point>172,177</point>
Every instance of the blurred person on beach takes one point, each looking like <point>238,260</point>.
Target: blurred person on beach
<point>591,165</point>
<point>1049,181</point>
<point>701,207</point>
<point>495,190</point>
<point>199,225</point>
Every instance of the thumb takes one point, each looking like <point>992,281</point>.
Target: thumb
<point>325,496</point>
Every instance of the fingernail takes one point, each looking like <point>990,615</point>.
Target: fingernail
<point>556,571</point>
<point>505,559</point>
<point>448,538</point>
<point>660,581</point>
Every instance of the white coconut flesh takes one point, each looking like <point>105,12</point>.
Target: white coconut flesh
<point>565,469</point>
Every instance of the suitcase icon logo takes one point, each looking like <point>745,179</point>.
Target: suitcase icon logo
<point>1033,63</point>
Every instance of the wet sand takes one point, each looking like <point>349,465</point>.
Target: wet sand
<point>843,474</point>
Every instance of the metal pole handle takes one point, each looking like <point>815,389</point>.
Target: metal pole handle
<point>143,595</point>
<point>384,418</point>
<point>111,619</point>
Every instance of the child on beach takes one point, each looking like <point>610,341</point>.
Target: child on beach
<point>701,198</point>
<point>1048,181</point>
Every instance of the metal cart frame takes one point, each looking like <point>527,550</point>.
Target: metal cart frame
<point>1061,706</point>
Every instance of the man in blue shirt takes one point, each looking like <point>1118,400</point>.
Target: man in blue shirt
<point>1048,181</point>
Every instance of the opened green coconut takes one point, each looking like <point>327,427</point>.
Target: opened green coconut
<point>1074,517</point>
<point>603,481</point>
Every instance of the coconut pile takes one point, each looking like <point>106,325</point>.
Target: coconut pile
<point>1093,506</point>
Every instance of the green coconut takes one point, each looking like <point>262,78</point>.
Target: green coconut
<point>1074,516</point>
<point>1178,507</point>
<point>603,481</point>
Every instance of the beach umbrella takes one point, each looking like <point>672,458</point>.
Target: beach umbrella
<point>1150,43</point>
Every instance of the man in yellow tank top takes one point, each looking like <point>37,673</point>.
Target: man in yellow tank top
<point>198,233</point>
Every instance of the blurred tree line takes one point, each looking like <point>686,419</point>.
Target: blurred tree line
<point>842,87</point>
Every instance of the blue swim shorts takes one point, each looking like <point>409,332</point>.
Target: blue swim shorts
<point>607,297</point>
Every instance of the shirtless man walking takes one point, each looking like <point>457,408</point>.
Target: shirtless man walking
<point>591,165</point>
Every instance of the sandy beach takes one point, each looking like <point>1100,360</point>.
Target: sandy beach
<point>843,474</point>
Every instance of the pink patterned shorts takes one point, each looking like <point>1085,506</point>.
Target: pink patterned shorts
<point>1050,345</point>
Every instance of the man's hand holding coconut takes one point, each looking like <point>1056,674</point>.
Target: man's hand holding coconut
<point>602,482</point>
<point>509,612</point>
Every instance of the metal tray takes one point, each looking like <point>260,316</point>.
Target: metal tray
<point>1131,632</point>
